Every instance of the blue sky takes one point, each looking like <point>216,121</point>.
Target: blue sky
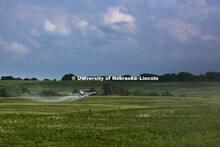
<point>47,39</point>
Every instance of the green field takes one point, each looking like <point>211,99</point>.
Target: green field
<point>114,120</point>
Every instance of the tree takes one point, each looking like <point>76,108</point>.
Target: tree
<point>124,92</point>
<point>120,91</point>
<point>185,76</point>
<point>92,89</point>
<point>165,77</point>
<point>46,79</point>
<point>67,77</point>
<point>25,90</point>
<point>173,77</point>
<point>147,75</point>
<point>34,79</point>
<point>75,91</point>
<point>202,77</point>
<point>213,76</point>
<point>7,78</point>
<point>10,91</point>
<point>26,79</point>
<point>48,93</point>
<point>107,89</point>
<point>19,79</point>
<point>169,77</point>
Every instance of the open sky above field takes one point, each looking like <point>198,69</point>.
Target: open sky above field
<point>47,39</point>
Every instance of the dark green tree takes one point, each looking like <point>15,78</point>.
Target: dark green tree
<point>34,79</point>
<point>165,77</point>
<point>213,76</point>
<point>46,79</point>
<point>19,79</point>
<point>107,88</point>
<point>25,90</point>
<point>7,78</point>
<point>185,76</point>
<point>120,91</point>
<point>173,77</point>
<point>92,89</point>
<point>67,77</point>
<point>169,77</point>
<point>75,90</point>
<point>202,77</point>
<point>48,93</point>
<point>10,91</point>
<point>126,76</point>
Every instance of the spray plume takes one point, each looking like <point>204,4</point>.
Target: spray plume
<point>58,100</point>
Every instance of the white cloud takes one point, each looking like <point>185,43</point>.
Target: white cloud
<point>119,21</point>
<point>179,30</point>
<point>99,33</point>
<point>182,20</point>
<point>82,24</point>
<point>48,26</point>
<point>210,37</point>
<point>114,15</point>
<point>62,30</point>
<point>183,31</point>
<point>94,28</point>
<point>15,47</point>
<point>57,29</point>
<point>88,30</point>
<point>18,48</point>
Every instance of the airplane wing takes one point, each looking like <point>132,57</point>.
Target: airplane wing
<point>78,94</point>
<point>89,93</point>
<point>74,94</point>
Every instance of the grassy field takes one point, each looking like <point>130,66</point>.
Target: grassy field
<point>114,120</point>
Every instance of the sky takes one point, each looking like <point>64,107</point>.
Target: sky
<point>48,39</point>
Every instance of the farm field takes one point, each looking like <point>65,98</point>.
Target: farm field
<point>114,120</point>
<point>192,89</point>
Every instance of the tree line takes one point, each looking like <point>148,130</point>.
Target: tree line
<point>181,76</point>
<point>15,91</point>
<point>25,79</point>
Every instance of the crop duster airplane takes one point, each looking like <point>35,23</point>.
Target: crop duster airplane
<point>71,96</point>
<point>81,93</point>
